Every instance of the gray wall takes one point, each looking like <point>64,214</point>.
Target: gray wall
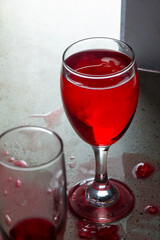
<point>140,27</point>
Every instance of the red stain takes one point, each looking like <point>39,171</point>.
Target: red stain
<point>51,118</point>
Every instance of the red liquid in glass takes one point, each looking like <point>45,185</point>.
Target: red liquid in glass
<point>100,110</point>
<point>33,229</point>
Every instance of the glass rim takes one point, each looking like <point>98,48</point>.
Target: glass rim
<point>32,168</point>
<point>104,76</point>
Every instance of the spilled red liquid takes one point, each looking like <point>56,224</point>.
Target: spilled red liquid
<point>143,170</point>
<point>52,118</point>
<point>152,209</point>
<point>89,230</point>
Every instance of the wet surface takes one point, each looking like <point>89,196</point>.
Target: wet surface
<point>144,221</point>
<point>52,119</point>
<point>138,148</point>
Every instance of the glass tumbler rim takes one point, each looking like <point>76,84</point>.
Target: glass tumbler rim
<point>104,76</point>
<point>40,166</point>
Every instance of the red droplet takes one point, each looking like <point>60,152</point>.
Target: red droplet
<point>49,191</point>
<point>7,219</point>
<point>18,183</point>
<point>11,159</point>
<point>152,209</point>
<point>21,163</point>
<point>143,170</point>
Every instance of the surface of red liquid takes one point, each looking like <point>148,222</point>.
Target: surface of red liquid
<point>143,170</point>
<point>99,109</point>
<point>33,229</point>
<point>89,230</point>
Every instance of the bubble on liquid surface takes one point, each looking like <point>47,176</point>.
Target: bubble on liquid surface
<point>7,219</point>
<point>18,183</point>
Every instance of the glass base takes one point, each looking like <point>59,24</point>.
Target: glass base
<point>117,210</point>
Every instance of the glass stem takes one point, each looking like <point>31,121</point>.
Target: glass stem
<point>101,193</point>
<point>101,154</point>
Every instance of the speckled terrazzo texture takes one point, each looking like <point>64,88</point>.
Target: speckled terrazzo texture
<point>21,98</point>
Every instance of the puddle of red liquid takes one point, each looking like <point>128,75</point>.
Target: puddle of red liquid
<point>89,230</point>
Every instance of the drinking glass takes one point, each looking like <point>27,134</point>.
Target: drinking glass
<point>32,184</point>
<point>99,88</point>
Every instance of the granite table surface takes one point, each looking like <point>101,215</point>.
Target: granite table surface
<point>28,96</point>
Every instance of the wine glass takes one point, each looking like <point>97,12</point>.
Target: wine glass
<point>99,88</point>
<point>32,184</point>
